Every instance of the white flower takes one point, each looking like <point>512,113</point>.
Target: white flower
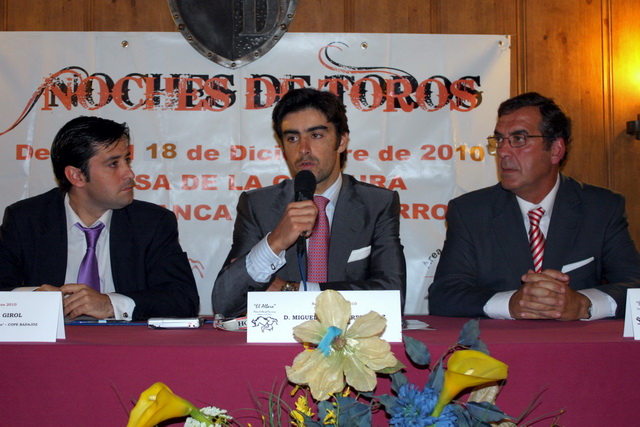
<point>356,353</point>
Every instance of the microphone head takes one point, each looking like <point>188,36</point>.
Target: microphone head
<point>304,185</point>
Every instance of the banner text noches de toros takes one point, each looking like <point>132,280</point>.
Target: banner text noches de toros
<point>69,89</point>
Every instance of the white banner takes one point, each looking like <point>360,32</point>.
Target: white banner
<point>420,108</point>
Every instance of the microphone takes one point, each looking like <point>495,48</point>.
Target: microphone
<point>304,185</point>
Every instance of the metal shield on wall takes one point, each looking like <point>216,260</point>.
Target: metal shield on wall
<point>232,33</point>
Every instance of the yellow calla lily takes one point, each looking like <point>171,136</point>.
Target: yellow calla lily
<point>157,404</point>
<point>468,368</point>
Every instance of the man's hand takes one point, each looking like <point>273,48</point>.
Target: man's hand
<point>276,285</point>
<point>547,295</point>
<point>298,218</point>
<point>80,300</point>
<point>48,288</point>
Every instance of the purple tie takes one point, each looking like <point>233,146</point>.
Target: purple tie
<point>319,244</point>
<point>88,273</point>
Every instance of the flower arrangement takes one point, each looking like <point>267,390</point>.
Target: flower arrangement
<point>158,403</point>
<point>339,368</point>
<point>354,356</point>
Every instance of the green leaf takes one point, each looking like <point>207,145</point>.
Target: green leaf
<point>470,333</point>
<point>436,379</point>
<point>485,412</point>
<point>398,379</point>
<point>388,401</point>
<point>479,345</point>
<point>323,407</point>
<point>352,412</point>
<point>463,417</point>
<point>417,351</point>
<point>392,369</point>
<point>310,422</point>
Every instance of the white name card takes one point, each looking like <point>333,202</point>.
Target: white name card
<point>31,317</point>
<point>271,316</point>
<point>632,314</point>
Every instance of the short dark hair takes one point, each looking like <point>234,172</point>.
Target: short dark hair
<point>78,140</point>
<point>555,123</point>
<point>307,98</point>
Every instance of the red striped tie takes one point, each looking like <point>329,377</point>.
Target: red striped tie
<point>536,238</point>
<point>319,244</point>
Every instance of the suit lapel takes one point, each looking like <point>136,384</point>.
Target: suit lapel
<point>508,230</point>
<point>121,248</point>
<point>564,226</point>
<point>273,215</point>
<point>53,236</point>
<point>347,223</point>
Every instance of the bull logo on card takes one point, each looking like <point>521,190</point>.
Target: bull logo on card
<point>265,323</point>
<point>232,33</point>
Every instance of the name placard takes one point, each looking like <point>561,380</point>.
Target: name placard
<point>271,316</point>
<point>31,317</point>
<point>632,314</point>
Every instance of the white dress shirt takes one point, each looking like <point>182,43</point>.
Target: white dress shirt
<point>602,305</point>
<point>77,246</point>
<point>261,262</point>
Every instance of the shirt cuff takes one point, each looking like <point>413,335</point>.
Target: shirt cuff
<point>602,305</point>
<point>498,306</point>
<point>262,263</point>
<point>311,287</point>
<point>122,306</point>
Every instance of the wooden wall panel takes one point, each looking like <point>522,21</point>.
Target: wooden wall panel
<point>39,15</point>
<point>477,17</point>
<point>564,60</point>
<point>131,15</point>
<point>398,16</point>
<point>321,16</point>
<point>625,149</point>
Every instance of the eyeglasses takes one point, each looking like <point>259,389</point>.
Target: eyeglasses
<point>516,141</point>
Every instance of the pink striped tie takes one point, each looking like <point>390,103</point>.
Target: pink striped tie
<point>536,238</point>
<point>319,244</point>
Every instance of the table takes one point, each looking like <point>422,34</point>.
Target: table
<point>90,379</point>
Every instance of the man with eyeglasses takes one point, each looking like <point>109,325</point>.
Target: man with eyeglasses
<point>538,245</point>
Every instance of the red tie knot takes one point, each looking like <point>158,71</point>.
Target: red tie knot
<point>321,202</point>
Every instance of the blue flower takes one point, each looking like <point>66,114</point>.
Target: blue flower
<point>414,407</point>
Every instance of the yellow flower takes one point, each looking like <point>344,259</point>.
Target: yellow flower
<point>157,404</point>
<point>355,355</point>
<point>330,418</point>
<point>302,407</point>
<point>468,368</point>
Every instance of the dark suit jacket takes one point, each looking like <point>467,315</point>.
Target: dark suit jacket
<point>365,216</point>
<point>487,247</point>
<point>147,262</point>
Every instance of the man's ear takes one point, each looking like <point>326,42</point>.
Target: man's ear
<point>75,176</point>
<point>344,142</point>
<point>557,151</point>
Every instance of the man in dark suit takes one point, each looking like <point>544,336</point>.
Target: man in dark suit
<point>364,249</point>
<point>142,270</point>
<point>578,260</point>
